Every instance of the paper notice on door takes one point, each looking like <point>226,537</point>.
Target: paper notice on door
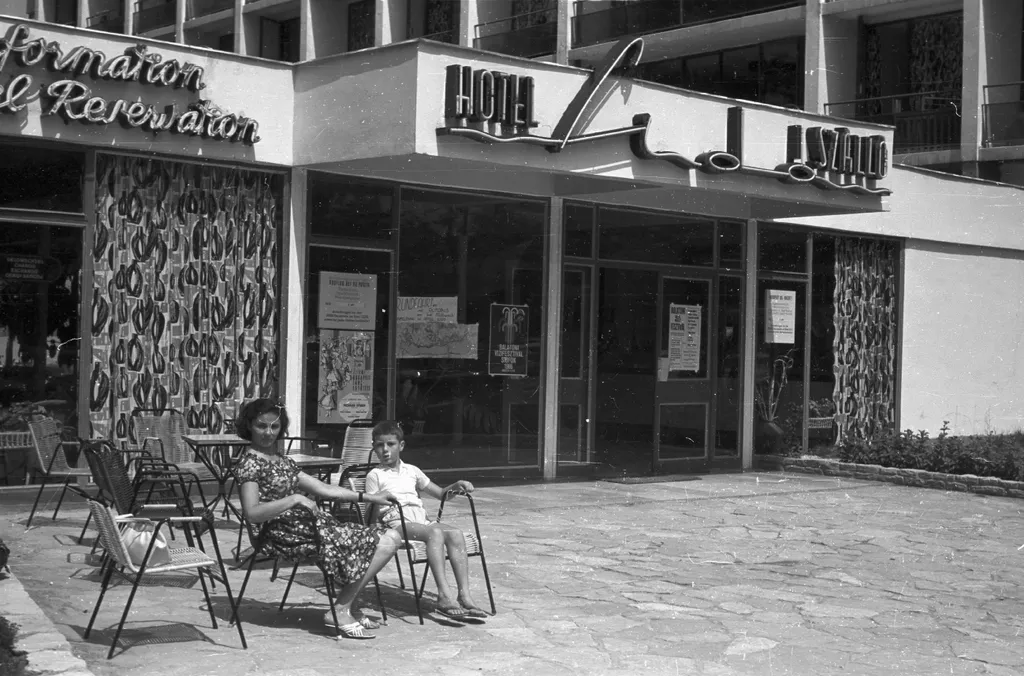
<point>779,316</point>
<point>684,334</point>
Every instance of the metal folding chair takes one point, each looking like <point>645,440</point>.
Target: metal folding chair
<point>182,558</point>
<point>416,551</point>
<point>52,463</point>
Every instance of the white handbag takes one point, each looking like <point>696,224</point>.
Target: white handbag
<point>136,538</point>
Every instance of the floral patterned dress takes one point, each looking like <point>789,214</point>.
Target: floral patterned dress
<point>343,549</point>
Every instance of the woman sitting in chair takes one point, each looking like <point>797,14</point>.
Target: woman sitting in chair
<point>275,494</point>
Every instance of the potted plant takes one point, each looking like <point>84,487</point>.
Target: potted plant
<point>767,395</point>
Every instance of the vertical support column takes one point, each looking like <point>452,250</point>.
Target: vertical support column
<point>81,15</point>
<point>293,295</point>
<point>307,48</point>
<point>975,77</point>
<point>468,19</point>
<point>552,331</point>
<point>749,346</point>
<point>381,23</point>
<point>86,293</point>
<point>180,12</point>
<point>563,40</point>
<point>128,9</point>
<point>815,65</point>
<point>238,27</point>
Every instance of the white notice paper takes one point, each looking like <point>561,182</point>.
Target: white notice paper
<point>439,309</point>
<point>348,301</point>
<point>779,316</point>
<point>684,334</point>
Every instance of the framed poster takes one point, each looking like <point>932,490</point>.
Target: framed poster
<point>779,316</point>
<point>347,301</point>
<point>345,383</point>
<point>509,343</point>
<point>439,309</point>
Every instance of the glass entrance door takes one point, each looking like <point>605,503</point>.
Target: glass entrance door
<point>683,394</point>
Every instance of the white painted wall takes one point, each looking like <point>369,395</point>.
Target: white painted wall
<point>963,344</point>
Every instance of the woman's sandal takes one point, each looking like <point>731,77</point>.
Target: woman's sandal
<point>354,630</point>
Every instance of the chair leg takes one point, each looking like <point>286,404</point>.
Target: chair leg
<point>418,594</point>
<point>380,601</point>
<point>81,536</point>
<point>206,593</point>
<point>329,585</point>
<point>103,591</point>
<point>35,504</point>
<point>60,500</point>
<point>124,615</point>
<point>277,569</point>
<point>231,600</point>
<point>241,590</point>
<point>487,581</point>
<point>398,565</point>
<point>288,588</point>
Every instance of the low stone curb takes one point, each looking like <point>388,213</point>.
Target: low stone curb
<point>49,653</point>
<point>964,483</point>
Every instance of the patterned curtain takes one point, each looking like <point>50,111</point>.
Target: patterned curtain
<point>532,12</point>
<point>864,347</point>
<point>360,25</point>
<point>936,54</point>
<point>442,17</point>
<point>185,298</point>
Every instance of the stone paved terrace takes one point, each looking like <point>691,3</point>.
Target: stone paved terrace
<point>757,573</point>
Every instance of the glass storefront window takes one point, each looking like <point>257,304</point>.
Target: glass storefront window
<point>730,245</point>
<point>467,266</point>
<point>655,237</point>
<point>579,231</point>
<point>779,365</point>
<point>340,207</point>
<point>39,331</point>
<point>781,249</point>
<point>41,178</point>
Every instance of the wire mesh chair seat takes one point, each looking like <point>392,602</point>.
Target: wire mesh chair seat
<point>416,551</point>
<point>161,434</point>
<point>52,463</point>
<point>356,461</point>
<point>181,558</point>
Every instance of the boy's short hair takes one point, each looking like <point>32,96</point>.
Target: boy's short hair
<point>251,410</point>
<point>386,428</point>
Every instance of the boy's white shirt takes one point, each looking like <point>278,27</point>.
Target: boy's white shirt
<point>404,481</point>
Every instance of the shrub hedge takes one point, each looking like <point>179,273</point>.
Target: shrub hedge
<point>12,662</point>
<point>994,455</point>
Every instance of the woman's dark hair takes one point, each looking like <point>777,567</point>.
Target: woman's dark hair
<point>254,409</point>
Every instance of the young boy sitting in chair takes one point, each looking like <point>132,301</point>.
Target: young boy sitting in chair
<point>407,482</point>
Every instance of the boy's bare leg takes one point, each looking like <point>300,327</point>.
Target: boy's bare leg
<point>455,541</point>
<point>434,538</point>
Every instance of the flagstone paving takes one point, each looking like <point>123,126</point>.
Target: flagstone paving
<point>757,573</point>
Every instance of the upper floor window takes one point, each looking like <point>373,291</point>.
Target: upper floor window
<point>770,72</point>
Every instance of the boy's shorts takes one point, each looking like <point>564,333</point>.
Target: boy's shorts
<point>412,513</point>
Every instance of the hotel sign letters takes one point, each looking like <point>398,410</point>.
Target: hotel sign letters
<point>494,107</point>
<point>72,99</point>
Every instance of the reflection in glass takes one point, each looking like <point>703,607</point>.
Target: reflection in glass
<point>626,359</point>
<point>730,345</point>
<point>41,178</point>
<point>39,329</point>
<point>683,431</point>
<point>579,231</point>
<point>575,364</point>
<point>469,252</point>
<point>655,237</point>
<point>779,366</point>
<point>339,207</point>
<point>781,249</point>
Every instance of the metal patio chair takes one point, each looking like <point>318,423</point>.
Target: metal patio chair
<point>182,558</point>
<point>258,556</point>
<point>416,551</point>
<point>52,464</point>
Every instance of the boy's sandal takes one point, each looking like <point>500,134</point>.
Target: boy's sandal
<point>368,623</point>
<point>354,630</point>
<point>474,612</point>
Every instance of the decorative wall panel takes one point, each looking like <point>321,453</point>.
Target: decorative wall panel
<point>864,347</point>
<point>185,302</point>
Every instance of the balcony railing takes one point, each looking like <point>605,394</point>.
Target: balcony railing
<point>526,35</point>
<point>1004,114</point>
<point>200,8</point>
<point>924,121</point>
<point>645,16</point>
<point>153,17</point>
<point>111,21</point>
